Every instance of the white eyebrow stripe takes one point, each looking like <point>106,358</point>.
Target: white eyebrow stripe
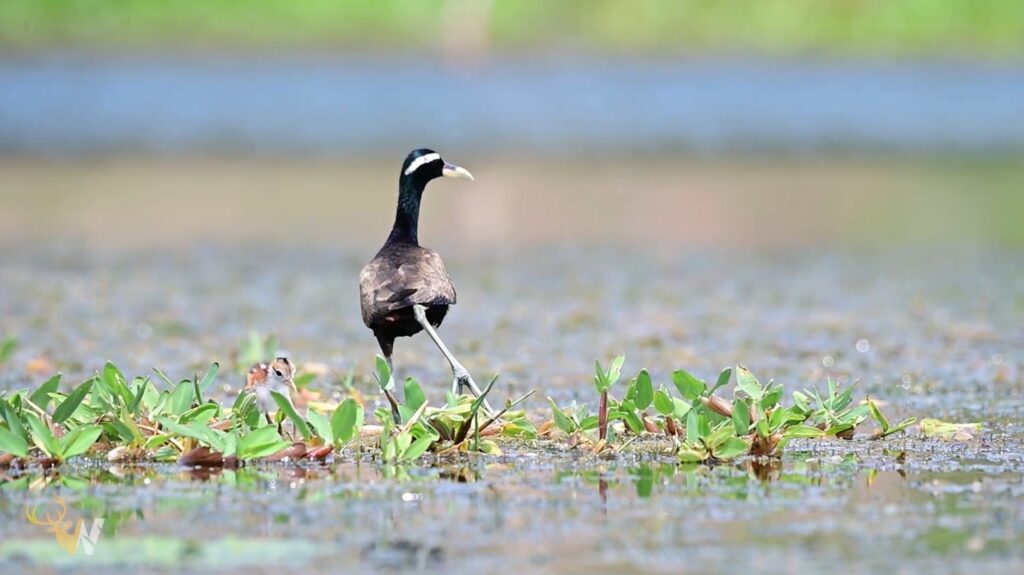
<point>424,159</point>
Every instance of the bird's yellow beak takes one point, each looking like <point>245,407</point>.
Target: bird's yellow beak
<point>453,171</point>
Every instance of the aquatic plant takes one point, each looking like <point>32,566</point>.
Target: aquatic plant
<point>706,427</point>
<point>120,419</point>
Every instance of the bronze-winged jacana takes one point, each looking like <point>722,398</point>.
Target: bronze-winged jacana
<point>405,288</point>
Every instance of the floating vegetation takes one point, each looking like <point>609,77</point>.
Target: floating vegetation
<point>946,430</point>
<point>707,428</point>
<point>109,416</point>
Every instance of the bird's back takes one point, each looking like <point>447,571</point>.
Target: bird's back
<point>400,276</point>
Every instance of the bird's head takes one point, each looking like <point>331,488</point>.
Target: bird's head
<point>423,165</point>
<point>280,374</point>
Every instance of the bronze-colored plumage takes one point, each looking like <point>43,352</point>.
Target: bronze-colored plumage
<point>405,289</point>
<point>399,277</point>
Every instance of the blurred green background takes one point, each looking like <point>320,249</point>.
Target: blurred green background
<point>739,123</point>
<point>872,27</point>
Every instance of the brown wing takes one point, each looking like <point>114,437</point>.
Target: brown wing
<point>402,276</point>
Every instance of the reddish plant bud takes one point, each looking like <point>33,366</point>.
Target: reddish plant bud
<point>718,405</point>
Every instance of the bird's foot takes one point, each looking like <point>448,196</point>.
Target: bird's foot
<point>464,381</point>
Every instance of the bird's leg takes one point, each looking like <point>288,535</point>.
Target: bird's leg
<point>462,377</point>
<point>387,346</point>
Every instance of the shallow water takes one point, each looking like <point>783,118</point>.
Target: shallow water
<point>540,510</point>
<point>930,330</point>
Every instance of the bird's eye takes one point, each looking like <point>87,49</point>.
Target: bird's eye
<point>278,373</point>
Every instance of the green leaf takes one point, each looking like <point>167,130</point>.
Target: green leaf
<point>260,443</point>
<point>156,441</point>
<point>612,435</point>
<point>900,426</point>
<point>344,420</point>
<point>230,442</point>
<point>67,408</point>
<point>740,417</point>
<point>689,386</point>
<point>748,384</point>
<point>945,429</point>
<point>200,414</point>
<point>589,423</point>
<point>582,411</point>
<point>321,425</point>
<point>520,427</point>
<point>777,418</point>
<point>41,396</point>
<point>181,397</point>
<point>7,349</point>
<point>289,410</point>
<point>719,436</point>
<point>802,401</point>
<point>807,431</point>
<point>644,390</point>
<point>723,379</point>
<point>693,426</point>
<point>703,423</point>
<point>384,379</point>
<point>414,396</point>
<point>210,377</point>
<point>402,442</point>
<point>762,427</point>
<point>10,415</point>
<point>630,390</point>
<point>628,414</point>
<point>615,370</point>
<point>197,432</point>
<point>79,440</point>
<point>839,428</point>
<point>771,398</point>
<point>732,448</point>
<point>164,377</point>
<point>681,408</point>
<point>42,436</point>
<point>118,431</point>
<point>417,448</point>
<point>877,415</point>
<point>562,421</point>
<point>140,394</point>
<point>663,402</point>
<point>116,383</point>
<point>218,440</point>
<point>840,401</point>
<point>214,438</point>
<point>600,378</point>
<point>12,443</point>
<point>128,422</point>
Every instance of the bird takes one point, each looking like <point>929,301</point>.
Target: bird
<point>263,378</point>
<point>405,289</point>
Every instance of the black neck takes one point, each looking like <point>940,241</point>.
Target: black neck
<point>407,216</point>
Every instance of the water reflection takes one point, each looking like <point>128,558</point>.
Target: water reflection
<point>513,512</point>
